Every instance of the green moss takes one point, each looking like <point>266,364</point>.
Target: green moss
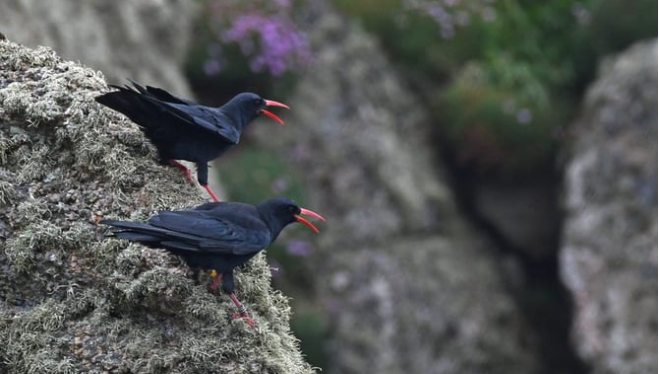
<point>75,301</point>
<point>48,316</point>
<point>10,141</point>
<point>32,345</point>
<point>41,237</point>
<point>7,192</point>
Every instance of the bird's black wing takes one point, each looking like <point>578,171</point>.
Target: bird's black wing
<point>210,119</point>
<point>207,118</point>
<point>166,116</point>
<point>238,234</point>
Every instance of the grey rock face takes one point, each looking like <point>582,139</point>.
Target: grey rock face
<point>409,287</point>
<point>609,251</point>
<point>141,39</point>
<point>436,304</point>
<point>73,301</point>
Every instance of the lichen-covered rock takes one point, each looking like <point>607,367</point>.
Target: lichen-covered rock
<point>609,250</point>
<point>72,300</point>
<point>145,40</point>
<point>409,288</point>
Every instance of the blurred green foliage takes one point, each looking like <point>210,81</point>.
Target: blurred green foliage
<point>498,119</point>
<point>614,25</point>
<point>310,324</point>
<point>510,73</point>
<point>249,183</point>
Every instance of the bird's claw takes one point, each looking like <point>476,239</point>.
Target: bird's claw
<point>244,316</point>
<point>96,218</point>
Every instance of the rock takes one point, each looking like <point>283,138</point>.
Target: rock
<point>72,300</point>
<point>409,287</point>
<point>609,249</point>
<point>436,304</point>
<point>145,40</point>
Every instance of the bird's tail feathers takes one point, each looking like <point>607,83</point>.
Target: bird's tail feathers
<point>136,237</point>
<point>135,103</point>
<point>125,224</point>
<point>134,231</point>
<point>143,232</point>
<point>125,101</point>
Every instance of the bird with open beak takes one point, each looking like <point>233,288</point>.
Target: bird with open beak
<point>183,130</point>
<point>217,236</point>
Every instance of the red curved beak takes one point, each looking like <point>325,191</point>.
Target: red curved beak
<point>272,115</point>
<point>276,103</point>
<point>313,214</point>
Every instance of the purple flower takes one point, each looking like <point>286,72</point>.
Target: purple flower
<point>212,67</point>
<point>451,14</point>
<point>272,43</point>
<point>581,14</point>
<point>300,248</point>
<point>524,116</point>
<point>301,153</point>
<point>279,185</point>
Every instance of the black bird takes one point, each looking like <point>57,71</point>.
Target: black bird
<point>217,236</point>
<point>183,130</point>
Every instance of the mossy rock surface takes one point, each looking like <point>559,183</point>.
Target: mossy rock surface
<point>72,300</point>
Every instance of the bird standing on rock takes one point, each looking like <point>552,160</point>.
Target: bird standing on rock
<point>217,236</point>
<point>183,130</point>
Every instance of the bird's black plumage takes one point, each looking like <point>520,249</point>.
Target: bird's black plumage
<point>183,130</point>
<point>218,235</point>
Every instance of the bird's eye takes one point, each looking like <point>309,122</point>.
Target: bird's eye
<point>291,208</point>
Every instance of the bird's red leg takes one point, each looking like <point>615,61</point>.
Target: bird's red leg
<point>182,169</point>
<point>217,280</point>
<point>211,193</point>
<point>242,311</point>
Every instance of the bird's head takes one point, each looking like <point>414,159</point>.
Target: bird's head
<point>250,105</point>
<point>280,212</point>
